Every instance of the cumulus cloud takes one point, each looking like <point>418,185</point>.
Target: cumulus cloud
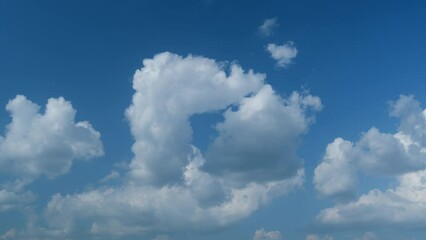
<point>40,144</point>
<point>132,209</point>
<point>401,155</point>
<point>336,176</point>
<point>169,185</point>
<point>401,206</point>
<point>170,89</point>
<point>45,143</point>
<point>282,54</point>
<point>268,26</point>
<point>262,234</point>
<point>259,141</point>
<point>375,153</point>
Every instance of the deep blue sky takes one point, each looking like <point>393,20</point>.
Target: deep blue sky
<point>355,55</point>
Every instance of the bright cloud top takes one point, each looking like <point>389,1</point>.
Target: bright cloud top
<point>171,185</point>
<point>401,155</point>
<point>282,54</point>
<point>46,143</point>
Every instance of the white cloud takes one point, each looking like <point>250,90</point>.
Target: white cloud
<point>282,54</point>
<point>262,234</point>
<point>169,89</point>
<point>376,153</point>
<point>259,141</point>
<point>318,237</point>
<point>336,176</point>
<point>10,200</point>
<point>45,143</point>
<point>401,155</point>
<point>267,27</point>
<point>37,144</point>
<point>168,188</point>
<point>402,206</point>
<point>132,209</point>
<point>111,176</point>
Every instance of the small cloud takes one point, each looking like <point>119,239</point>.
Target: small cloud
<point>282,54</point>
<point>268,26</point>
<point>113,175</point>
<point>262,234</point>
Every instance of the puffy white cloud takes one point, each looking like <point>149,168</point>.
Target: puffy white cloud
<point>45,143</point>
<point>318,237</point>
<point>37,144</point>
<point>336,176</point>
<point>259,141</point>
<point>401,206</point>
<point>267,27</point>
<point>401,155</point>
<point>262,234</point>
<point>377,153</point>
<point>169,186</point>
<point>169,90</point>
<point>282,54</point>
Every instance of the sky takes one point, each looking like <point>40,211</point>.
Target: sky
<point>212,119</point>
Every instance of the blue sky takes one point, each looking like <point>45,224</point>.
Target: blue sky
<point>324,139</point>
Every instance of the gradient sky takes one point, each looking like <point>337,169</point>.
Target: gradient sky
<point>264,120</point>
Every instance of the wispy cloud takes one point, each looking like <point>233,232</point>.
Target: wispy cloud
<point>268,26</point>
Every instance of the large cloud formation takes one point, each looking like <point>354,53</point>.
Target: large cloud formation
<point>171,185</point>
<point>170,89</point>
<point>401,155</point>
